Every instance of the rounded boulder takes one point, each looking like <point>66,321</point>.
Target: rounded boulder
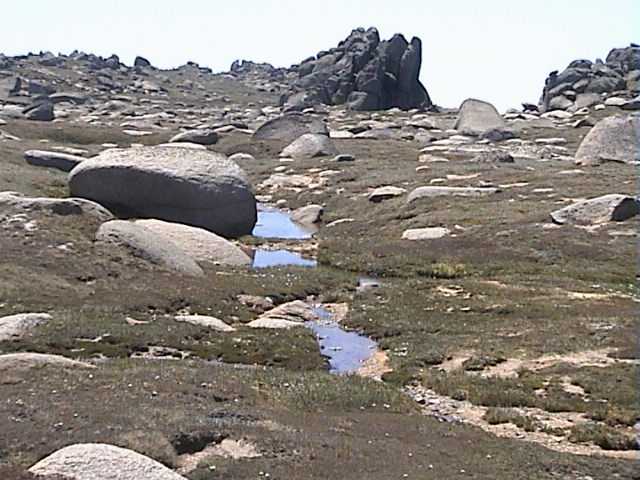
<point>199,188</point>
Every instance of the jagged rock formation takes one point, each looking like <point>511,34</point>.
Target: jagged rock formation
<point>583,83</point>
<point>365,73</point>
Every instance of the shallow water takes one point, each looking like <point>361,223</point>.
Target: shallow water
<point>280,258</point>
<point>274,223</point>
<point>346,351</point>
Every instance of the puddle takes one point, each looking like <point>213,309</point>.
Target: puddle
<point>274,223</point>
<point>346,351</point>
<point>280,258</point>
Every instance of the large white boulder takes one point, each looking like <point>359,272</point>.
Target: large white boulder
<point>613,139</point>
<point>96,461</point>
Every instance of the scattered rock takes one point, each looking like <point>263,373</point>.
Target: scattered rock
<point>344,157</point>
<point>147,244</point>
<point>60,161</point>
<point>198,188</point>
<point>308,215</point>
<point>256,303</point>
<point>202,136</point>
<point>15,362</point>
<point>101,461</point>
<point>42,112</point>
<point>607,208</point>
<point>310,145</point>
<point>613,139</point>
<point>16,326</point>
<point>58,206</point>
<point>211,323</point>
<point>287,315</point>
<point>493,156</point>
<point>141,62</point>
<point>200,244</point>
<point>429,192</point>
<point>631,104</point>
<point>429,233</point>
<point>289,127</point>
<point>385,193</point>
<point>241,157</point>
<point>477,117</point>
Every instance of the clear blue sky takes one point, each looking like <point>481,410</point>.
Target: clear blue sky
<point>498,50</point>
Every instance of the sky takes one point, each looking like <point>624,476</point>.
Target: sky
<point>496,50</point>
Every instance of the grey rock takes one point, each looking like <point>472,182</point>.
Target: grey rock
<point>560,103</point>
<point>200,244</point>
<point>290,126</point>
<point>493,156</point>
<point>148,245</point>
<point>211,323</point>
<point>310,145</point>
<point>42,112</point>
<point>287,315</point>
<point>633,104</point>
<point>67,97</point>
<point>428,233</point>
<point>241,157</point>
<point>430,192</point>
<point>308,215</point>
<point>365,73</point>
<point>202,136</point>
<point>607,208</point>
<point>198,188</point>
<point>94,461</point>
<point>14,327</point>
<point>477,117</point>
<point>586,100</point>
<point>24,361</point>
<point>58,206</point>
<point>141,62</point>
<point>385,193</point>
<point>57,160</point>
<point>613,139</point>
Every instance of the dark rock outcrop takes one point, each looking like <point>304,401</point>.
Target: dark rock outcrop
<point>365,73</point>
<point>619,73</point>
<point>141,62</point>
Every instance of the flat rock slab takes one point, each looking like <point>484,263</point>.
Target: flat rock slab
<point>385,193</point>
<point>199,188</point>
<point>147,244</point>
<point>95,461</point>
<point>287,315</point>
<point>58,206</point>
<point>14,327</point>
<point>57,160</point>
<point>212,323</point>
<point>613,139</point>
<point>200,244</point>
<point>430,192</point>
<point>607,208</point>
<point>12,362</point>
<point>202,136</point>
<point>289,127</point>
<point>310,145</point>
<point>477,117</point>
<point>429,233</point>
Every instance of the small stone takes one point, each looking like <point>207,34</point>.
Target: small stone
<point>429,233</point>
<point>384,193</point>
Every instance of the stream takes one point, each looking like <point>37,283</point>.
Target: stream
<point>345,351</point>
